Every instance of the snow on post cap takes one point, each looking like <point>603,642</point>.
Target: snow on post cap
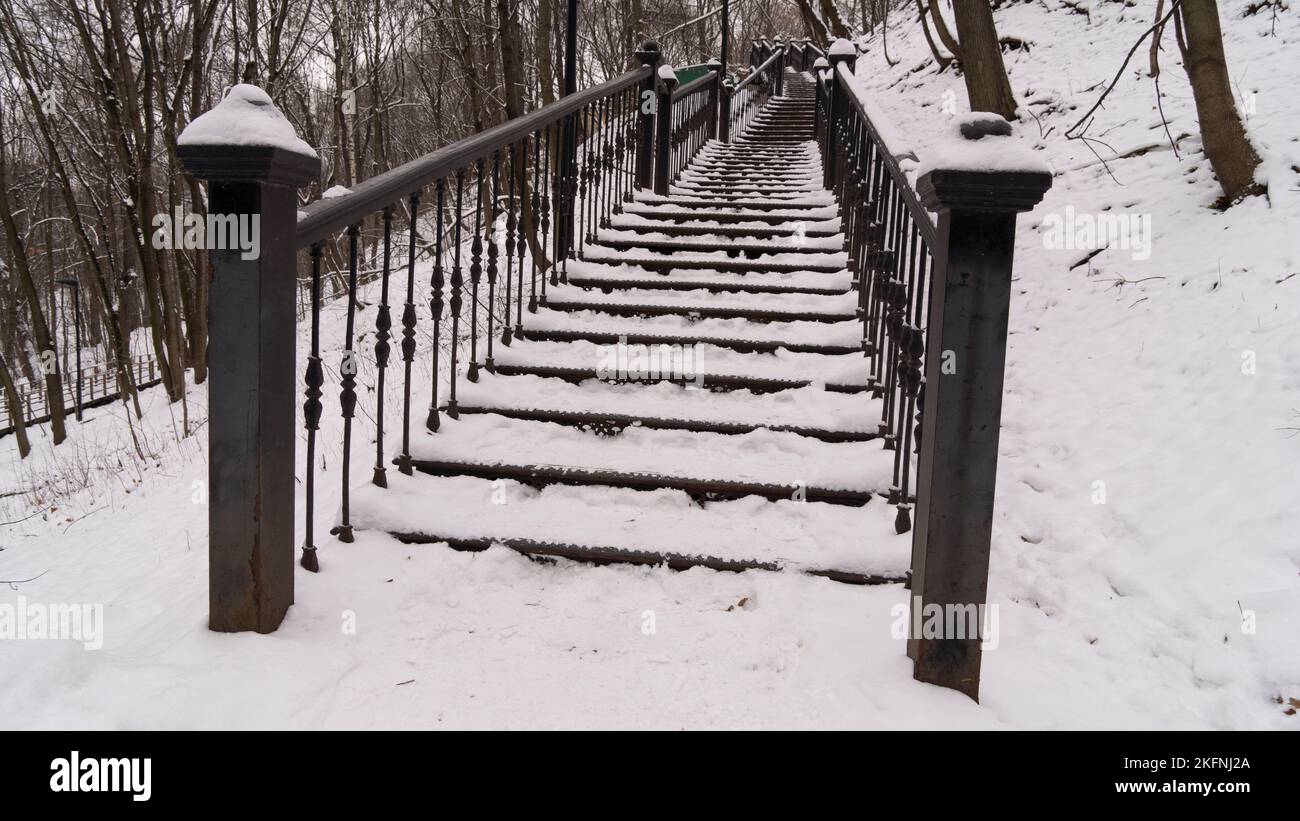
<point>820,64</point>
<point>981,141</point>
<point>667,74</point>
<point>245,116</point>
<point>842,48</point>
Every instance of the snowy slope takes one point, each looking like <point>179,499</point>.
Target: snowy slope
<point>1129,372</point>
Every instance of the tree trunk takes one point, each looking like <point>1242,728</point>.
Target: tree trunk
<point>10,33</point>
<point>15,409</point>
<point>981,59</point>
<point>542,45</point>
<point>834,22</point>
<point>940,59</point>
<point>513,76</point>
<point>40,330</point>
<point>942,30</point>
<point>1223,135</point>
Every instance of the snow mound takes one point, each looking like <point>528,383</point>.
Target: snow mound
<point>981,141</point>
<point>245,116</point>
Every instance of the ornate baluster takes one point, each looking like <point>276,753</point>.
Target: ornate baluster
<point>348,395</point>
<point>457,282</point>
<point>538,224</point>
<point>546,216</point>
<point>475,272</point>
<point>383,324</point>
<point>607,167</point>
<point>910,352</point>
<point>597,162</point>
<point>518,183</point>
<point>435,306</point>
<point>408,342</point>
<point>584,178</point>
<point>628,148</point>
<point>490,236</point>
<point>564,215</point>
<point>506,330</point>
<point>311,412</point>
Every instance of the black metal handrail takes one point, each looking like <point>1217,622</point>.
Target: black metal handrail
<point>759,69</point>
<point>326,216</point>
<point>890,238</point>
<point>701,83</point>
<point>889,156</point>
<point>693,117</point>
<point>749,95</point>
<point>808,54</point>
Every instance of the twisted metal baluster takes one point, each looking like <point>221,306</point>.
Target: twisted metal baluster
<point>892,321</point>
<point>489,236</point>
<point>506,330</point>
<point>383,324</point>
<point>607,170</point>
<point>475,273</point>
<point>348,395</point>
<point>910,354</point>
<point>408,343</point>
<point>629,146</point>
<point>456,283</point>
<point>519,168</point>
<point>535,220</point>
<point>546,217</point>
<point>584,177</point>
<point>311,412</point>
<point>435,308</point>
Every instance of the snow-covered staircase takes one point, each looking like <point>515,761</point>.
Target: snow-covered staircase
<point>757,451</point>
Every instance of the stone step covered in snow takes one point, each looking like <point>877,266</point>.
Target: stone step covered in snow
<point>854,544</point>
<point>806,410</point>
<point>775,464</point>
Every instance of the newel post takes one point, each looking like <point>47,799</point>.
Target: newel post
<point>664,129</point>
<point>252,381</point>
<point>778,84</point>
<point>841,51</point>
<point>965,359</point>
<point>821,112</point>
<point>724,109</point>
<point>649,55</point>
<point>715,106</point>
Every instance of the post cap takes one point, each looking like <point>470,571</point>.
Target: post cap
<point>246,138</point>
<point>668,76</point>
<point>980,166</point>
<point>714,63</point>
<point>842,51</point>
<point>649,53</point>
<point>820,64</point>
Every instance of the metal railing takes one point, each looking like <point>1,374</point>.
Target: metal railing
<point>99,387</point>
<point>890,239</point>
<point>693,118</point>
<point>574,160</point>
<point>763,82</point>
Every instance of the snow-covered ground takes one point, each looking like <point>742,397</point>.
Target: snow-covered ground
<point>1146,497</point>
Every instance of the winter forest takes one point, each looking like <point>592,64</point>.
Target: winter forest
<point>728,553</point>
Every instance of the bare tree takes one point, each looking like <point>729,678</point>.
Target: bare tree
<point>1234,159</point>
<point>980,55</point>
